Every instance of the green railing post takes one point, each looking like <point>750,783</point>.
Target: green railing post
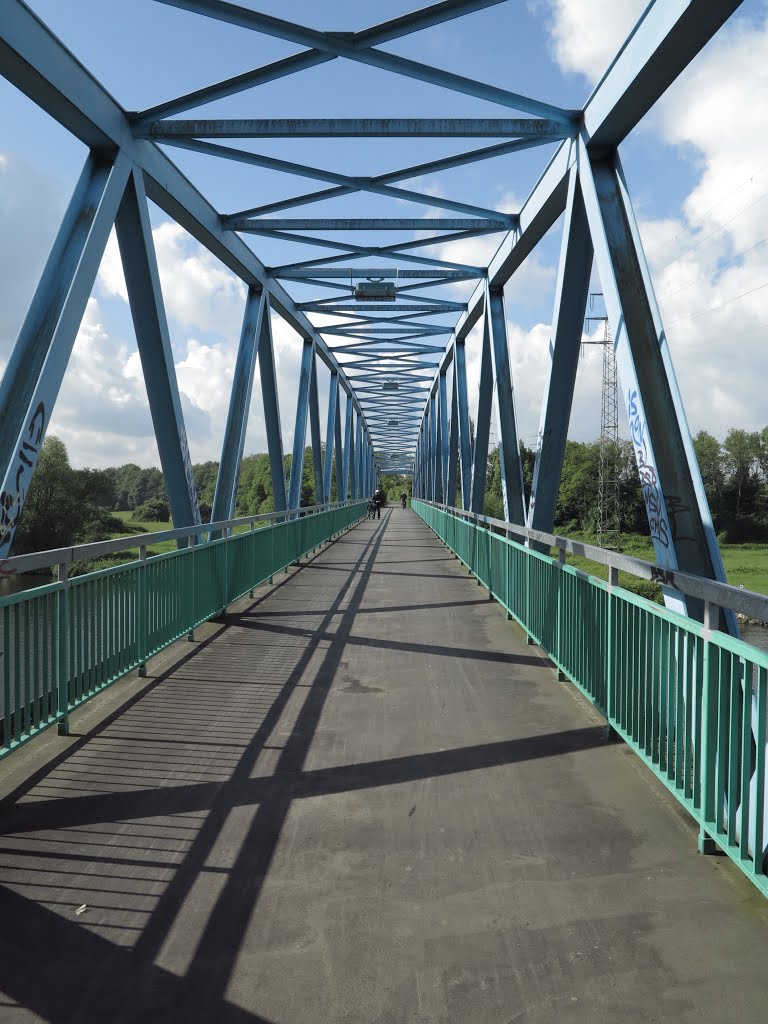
<point>142,639</point>
<point>706,844</point>
<point>252,536</point>
<point>191,545</point>
<point>610,696</point>
<point>62,649</point>
<point>561,676</point>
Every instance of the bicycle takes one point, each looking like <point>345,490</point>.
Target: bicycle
<point>371,509</point>
<point>403,503</point>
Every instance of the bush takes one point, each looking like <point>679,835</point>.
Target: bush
<point>153,510</point>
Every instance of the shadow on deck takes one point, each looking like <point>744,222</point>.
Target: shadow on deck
<point>362,798</point>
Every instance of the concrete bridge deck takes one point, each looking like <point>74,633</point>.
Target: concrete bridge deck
<point>363,799</point>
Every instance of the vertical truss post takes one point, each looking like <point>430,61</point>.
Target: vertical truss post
<point>444,440</point>
<point>483,425</point>
<point>39,359</point>
<point>338,447</point>
<point>434,442</point>
<point>512,489</point>
<point>314,433</point>
<point>272,409</point>
<point>453,446</point>
<point>359,456</point>
<point>570,303</point>
<point>352,455</point>
<point>300,429</point>
<point>142,279</point>
<point>344,491</point>
<point>239,407</point>
<point>429,492</point>
<point>465,439</point>
<point>679,517</point>
<point>333,405</point>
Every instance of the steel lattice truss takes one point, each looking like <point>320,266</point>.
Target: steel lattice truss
<point>397,364</point>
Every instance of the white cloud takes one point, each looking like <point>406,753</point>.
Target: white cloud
<point>586,34</point>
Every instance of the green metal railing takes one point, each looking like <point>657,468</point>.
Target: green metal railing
<point>689,700</point>
<point>63,643</point>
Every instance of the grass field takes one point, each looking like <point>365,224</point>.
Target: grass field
<point>745,564</point>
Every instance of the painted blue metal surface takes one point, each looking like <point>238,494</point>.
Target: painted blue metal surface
<point>482,421</point>
<point>567,319</point>
<point>39,360</point>
<point>300,428</point>
<point>142,279</point>
<point>272,425</point>
<point>512,489</point>
<point>239,408</point>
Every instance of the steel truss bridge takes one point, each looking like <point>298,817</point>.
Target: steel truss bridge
<point>674,682</point>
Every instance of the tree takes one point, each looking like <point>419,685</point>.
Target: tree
<point>54,513</point>
<point>148,483</point>
<point>98,486</point>
<point>741,450</point>
<point>710,459</point>
<point>125,477</point>
<point>153,510</point>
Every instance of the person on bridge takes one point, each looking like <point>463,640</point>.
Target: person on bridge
<point>404,499</point>
<point>378,501</point>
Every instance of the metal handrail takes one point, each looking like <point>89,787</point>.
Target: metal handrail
<point>722,595</point>
<point>97,549</point>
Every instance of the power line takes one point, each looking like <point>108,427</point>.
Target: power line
<point>711,273</point>
<point>727,195</point>
<point>712,234</point>
<point>720,305</point>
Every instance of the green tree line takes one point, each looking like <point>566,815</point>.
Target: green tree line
<point>67,506</point>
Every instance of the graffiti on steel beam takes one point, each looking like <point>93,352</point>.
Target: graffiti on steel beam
<point>189,473</point>
<point>649,478</point>
<point>11,502</point>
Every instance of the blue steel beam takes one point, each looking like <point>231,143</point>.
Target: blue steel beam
<point>271,405</point>
<point>239,408</point>
<point>142,279</point>
<point>358,459</point>
<point>387,273</point>
<point>38,64</point>
<point>39,359</point>
<point>351,128</point>
<point>396,249</point>
<point>512,490</point>
<point>416,171</point>
<point>370,224</point>
<point>678,514</point>
<point>571,292</point>
<point>339,451</point>
<point>308,171</point>
<point>327,260</point>
<point>300,429</point>
<point>453,449</point>
<point>482,420</point>
<point>444,437</point>
<point>333,403</point>
<point>314,433</point>
<point>344,489</point>
<point>395,28</point>
<point>465,440</point>
<point>339,45</point>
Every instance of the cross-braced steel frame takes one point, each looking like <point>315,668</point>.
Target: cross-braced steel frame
<point>397,366</point>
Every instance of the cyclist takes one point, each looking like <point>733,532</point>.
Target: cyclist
<point>404,499</point>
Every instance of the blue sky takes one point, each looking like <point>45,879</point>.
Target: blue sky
<point>692,187</point>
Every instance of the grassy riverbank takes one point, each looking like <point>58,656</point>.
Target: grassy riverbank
<point>745,564</point>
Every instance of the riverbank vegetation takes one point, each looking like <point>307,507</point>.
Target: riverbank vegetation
<point>67,506</point>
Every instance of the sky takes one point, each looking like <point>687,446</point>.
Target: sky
<point>697,167</point>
